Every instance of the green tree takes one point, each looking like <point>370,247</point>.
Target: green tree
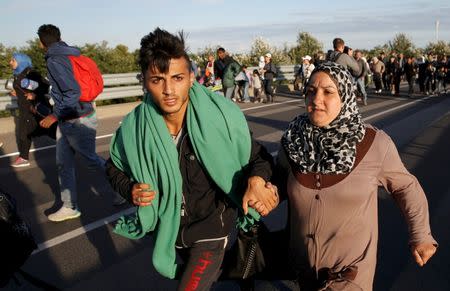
<point>5,57</point>
<point>260,47</point>
<point>306,45</point>
<point>439,48</point>
<point>201,57</point>
<point>37,55</point>
<point>402,44</point>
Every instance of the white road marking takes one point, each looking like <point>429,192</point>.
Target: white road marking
<point>81,230</point>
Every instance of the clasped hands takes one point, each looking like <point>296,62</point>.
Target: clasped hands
<point>260,195</point>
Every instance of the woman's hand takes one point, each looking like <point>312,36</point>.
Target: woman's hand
<point>142,195</point>
<point>423,252</point>
<point>260,195</point>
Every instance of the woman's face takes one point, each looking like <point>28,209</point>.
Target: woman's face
<point>13,63</point>
<point>323,102</point>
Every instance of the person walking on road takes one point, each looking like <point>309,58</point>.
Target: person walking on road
<point>410,68</point>
<point>186,159</point>
<point>360,80</point>
<point>30,88</point>
<point>338,56</point>
<point>378,70</point>
<point>227,69</point>
<point>77,121</point>
<point>330,165</point>
<point>269,71</point>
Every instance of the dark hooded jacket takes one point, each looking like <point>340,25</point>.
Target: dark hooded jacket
<point>65,89</point>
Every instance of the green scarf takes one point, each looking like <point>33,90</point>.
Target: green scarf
<point>144,150</point>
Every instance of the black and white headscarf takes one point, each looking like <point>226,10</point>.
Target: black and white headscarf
<point>330,149</point>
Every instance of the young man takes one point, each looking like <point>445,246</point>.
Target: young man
<point>185,157</point>
<point>360,79</point>
<point>227,69</point>
<point>338,56</point>
<point>77,121</point>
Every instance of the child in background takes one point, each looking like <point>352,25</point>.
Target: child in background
<point>256,84</point>
<point>261,65</point>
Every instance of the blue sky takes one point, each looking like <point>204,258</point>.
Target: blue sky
<point>228,23</point>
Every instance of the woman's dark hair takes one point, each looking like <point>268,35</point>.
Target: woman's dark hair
<point>49,34</point>
<point>159,47</point>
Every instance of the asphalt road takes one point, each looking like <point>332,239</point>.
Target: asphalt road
<point>84,253</point>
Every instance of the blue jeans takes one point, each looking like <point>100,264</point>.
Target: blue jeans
<point>75,136</point>
<point>362,87</point>
<point>229,92</point>
<point>246,96</point>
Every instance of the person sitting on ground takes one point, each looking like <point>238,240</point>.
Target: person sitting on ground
<point>330,165</point>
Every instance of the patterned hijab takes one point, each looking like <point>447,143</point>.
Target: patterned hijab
<point>330,149</point>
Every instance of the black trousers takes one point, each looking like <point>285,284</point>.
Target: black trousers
<point>202,265</point>
<point>28,127</point>
<point>268,90</point>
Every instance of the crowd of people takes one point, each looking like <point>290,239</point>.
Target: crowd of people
<point>186,158</point>
<point>235,81</point>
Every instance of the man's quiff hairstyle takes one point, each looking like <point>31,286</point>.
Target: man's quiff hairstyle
<point>338,42</point>
<point>158,48</point>
<point>49,34</point>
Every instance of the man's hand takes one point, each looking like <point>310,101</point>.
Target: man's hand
<point>142,195</point>
<point>13,93</point>
<point>423,252</point>
<point>260,195</point>
<point>48,121</point>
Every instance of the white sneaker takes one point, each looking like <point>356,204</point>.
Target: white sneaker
<point>64,213</point>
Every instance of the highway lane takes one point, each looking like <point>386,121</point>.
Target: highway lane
<point>93,256</point>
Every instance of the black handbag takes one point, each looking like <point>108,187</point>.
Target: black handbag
<point>16,243</point>
<point>245,258</point>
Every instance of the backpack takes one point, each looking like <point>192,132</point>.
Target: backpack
<point>88,76</point>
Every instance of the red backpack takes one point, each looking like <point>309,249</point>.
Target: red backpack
<point>88,76</point>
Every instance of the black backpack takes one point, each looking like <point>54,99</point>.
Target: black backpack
<point>16,240</point>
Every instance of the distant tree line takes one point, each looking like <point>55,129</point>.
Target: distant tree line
<point>121,60</point>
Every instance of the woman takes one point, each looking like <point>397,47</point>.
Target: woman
<point>334,164</point>
<point>27,99</point>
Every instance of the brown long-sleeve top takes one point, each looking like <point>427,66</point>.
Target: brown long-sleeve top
<point>333,218</point>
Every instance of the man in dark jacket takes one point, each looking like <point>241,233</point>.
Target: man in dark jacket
<point>360,79</point>
<point>269,72</point>
<point>181,146</point>
<point>77,121</point>
<point>226,69</point>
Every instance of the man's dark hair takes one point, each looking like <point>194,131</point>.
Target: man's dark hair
<point>221,49</point>
<point>159,47</point>
<point>338,42</point>
<point>49,34</point>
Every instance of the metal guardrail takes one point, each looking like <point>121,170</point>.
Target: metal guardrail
<point>127,85</point>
